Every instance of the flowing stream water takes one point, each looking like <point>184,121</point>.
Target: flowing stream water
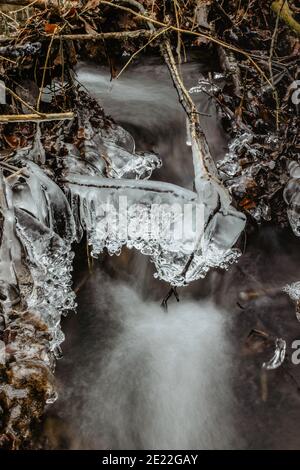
<point>135,376</point>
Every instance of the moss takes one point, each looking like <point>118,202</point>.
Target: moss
<point>281,7</point>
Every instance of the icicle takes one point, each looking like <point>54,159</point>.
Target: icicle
<point>41,197</point>
<point>10,252</point>
<point>49,259</point>
<point>146,215</point>
<point>38,153</point>
<point>41,217</point>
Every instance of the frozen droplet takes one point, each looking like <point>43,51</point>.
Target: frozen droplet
<point>52,397</point>
<point>278,357</point>
<point>204,86</point>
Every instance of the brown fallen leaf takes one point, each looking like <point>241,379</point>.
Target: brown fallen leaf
<point>247,203</point>
<point>50,28</point>
<point>13,141</point>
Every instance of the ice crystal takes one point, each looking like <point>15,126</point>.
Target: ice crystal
<point>278,357</point>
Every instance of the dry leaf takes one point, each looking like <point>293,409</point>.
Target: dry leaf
<point>12,140</point>
<point>50,28</point>
<point>58,60</point>
<point>247,203</point>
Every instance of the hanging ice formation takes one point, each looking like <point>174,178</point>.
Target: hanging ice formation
<point>35,290</point>
<point>105,192</point>
<point>185,233</point>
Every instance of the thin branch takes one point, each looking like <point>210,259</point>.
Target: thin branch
<point>36,117</point>
<point>107,35</point>
<point>27,3</point>
<point>93,36</point>
<point>44,72</point>
<point>154,36</point>
<point>273,42</point>
<point>24,103</point>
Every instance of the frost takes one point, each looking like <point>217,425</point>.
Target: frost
<point>278,357</point>
<point>293,290</point>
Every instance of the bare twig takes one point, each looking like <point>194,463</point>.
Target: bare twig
<point>154,36</point>
<point>24,103</point>
<point>108,35</point>
<point>44,72</point>
<point>36,117</point>
<point>93,36</point>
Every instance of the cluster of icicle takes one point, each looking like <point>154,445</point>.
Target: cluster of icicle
<point>35,290</point>
<point>184,233</point>
<point>38,226</point>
